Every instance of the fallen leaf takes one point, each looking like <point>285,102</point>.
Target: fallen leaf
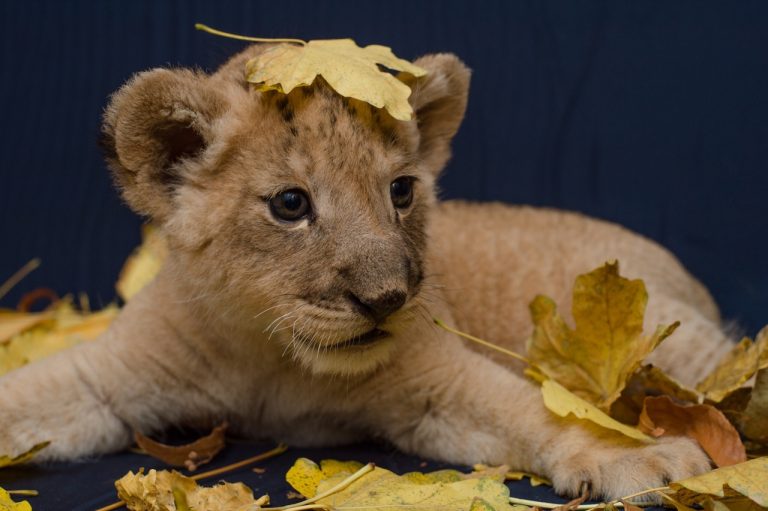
<point>350,70</point>
<point>386,491</point>
<point>13,323</point>
<point>748,479</point>
<point>191,455</point>
<point>8,504</point>
<point>754,423</point>
<point>67,328</point>
<point>161,490</point>
<point>608,311</point>
<point>736,368</point>
<point>534,479</point>
<point>305,475</point>
<point>7,461</point>
<point>703,423</point>
<point>143,264</point>
<point>561,401</point>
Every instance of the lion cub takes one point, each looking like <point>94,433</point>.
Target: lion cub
<point>308,256</point>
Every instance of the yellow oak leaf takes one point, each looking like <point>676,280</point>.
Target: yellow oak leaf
<point>305,475</point>
<point>748,479</point>
<point>13,322</point>
<point>7,461</point>
<point>608,311</point>
<point>7,503</point>
<point>350,70</point>
<point>736,368</point>
<point>142,265</point>
<point>561,401</point>
<point>386,491</point>
<point>161,490</point>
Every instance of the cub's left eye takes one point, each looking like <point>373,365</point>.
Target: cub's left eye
<point>290,205</point>
<point>401,191</point>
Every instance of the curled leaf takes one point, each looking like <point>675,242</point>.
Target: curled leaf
<point>350,70</point>
<point>191,455</point>
<point>736,368</point>
<point>703,423</point>
<point>164,491</point>
<point>563,402</point>
<point>755,417</point>
<point>7,461</point>
<point>608,311</point>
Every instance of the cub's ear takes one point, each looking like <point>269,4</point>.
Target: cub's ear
<point>439,100</point>
<point>156,128</point>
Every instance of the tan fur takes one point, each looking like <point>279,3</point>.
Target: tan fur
<point>250,320</point>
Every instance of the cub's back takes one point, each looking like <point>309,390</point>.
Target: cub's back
<point>492,259</point>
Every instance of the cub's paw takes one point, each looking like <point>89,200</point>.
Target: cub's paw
<point>614,472</point>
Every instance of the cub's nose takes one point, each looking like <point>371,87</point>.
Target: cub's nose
<point>379,307</point>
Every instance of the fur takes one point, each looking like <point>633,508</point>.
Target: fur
<point>254,319</point>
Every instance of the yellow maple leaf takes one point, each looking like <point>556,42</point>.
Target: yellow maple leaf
<point>350,70</point>
<point>736,368</point>
<point>748,479</point>
<point>7,503</point>
<point>386,491</point>
<point>561,401</point>
<point>608,311</point>
<point>161,490</point>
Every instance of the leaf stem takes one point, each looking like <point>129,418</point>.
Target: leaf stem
<point>343,484</point>
<point>210,30</point>
<point>25,493</point>
<point>19,276</point>
<point>485,343</point>
<point>586,507</point>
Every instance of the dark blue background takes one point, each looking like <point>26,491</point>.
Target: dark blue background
<point>649,113</point>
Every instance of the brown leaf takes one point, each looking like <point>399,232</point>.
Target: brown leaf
<point>191,456</point>
<point>755,425</point>
<point>704,423</point>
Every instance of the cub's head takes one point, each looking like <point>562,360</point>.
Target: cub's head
<point>296,218</point>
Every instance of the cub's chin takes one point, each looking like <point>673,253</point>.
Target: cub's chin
<point>359,355</point>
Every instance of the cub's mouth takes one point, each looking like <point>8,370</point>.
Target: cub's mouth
<point>366,339</point>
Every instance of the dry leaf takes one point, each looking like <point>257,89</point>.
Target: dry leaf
<point>7,503</point>
<point>13,322</point>
<point>736,368</point>
<point>190,456</point>
<point>563,402</point>
<point>748,479</point>
<point>67,328</point>
<point>608,311</point>
<point>535,480</point>
<point>704,423</point>
<point>350,70</point>
<point>755,418</point>
<point>305,475</point>
<point>387,491</point>
<point>162,490</point>
<point>7,461</point>
<point>142,265</point>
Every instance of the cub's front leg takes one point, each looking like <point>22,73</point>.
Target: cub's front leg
<point>447,402</point>
<point>88,400</point>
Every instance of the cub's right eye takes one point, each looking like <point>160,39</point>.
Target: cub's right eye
<point>290,205</point>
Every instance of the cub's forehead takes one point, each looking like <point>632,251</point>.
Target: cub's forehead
<point>316,128</point>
